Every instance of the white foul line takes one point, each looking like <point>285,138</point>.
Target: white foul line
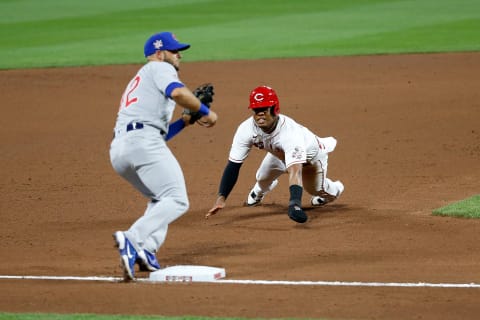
<point>264,282</point>
<point>354,283</point>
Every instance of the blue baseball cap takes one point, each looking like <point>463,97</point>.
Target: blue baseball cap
<point>163,41</point>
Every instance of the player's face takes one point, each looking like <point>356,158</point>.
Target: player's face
<point>264,119</point>
<point>173,57</point>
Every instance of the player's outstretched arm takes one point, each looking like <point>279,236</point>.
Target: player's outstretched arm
<point>229,179</point>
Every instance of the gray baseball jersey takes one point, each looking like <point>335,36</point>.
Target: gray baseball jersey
<point>140,154</point>
<point>145,100</point>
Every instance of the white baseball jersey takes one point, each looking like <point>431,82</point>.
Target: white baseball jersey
<point>290,142</point>
<point>141,101</point>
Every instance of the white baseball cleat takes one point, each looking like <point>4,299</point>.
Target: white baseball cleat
<point>318,201</point>
<point>340,187</point>
<point>255,196</point>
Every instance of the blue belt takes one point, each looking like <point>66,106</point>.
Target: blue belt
<point>134,126</point>
<point>139,125</point>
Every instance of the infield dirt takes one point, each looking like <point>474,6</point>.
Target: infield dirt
<point>408,142</point>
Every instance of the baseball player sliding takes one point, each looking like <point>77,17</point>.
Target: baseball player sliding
<point>139,152</point>
<point>291,148</point>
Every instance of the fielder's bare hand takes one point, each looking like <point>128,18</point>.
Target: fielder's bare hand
<point>219,204</point>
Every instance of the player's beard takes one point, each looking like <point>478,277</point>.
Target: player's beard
<point>173,64</point>
<point>170,61</point>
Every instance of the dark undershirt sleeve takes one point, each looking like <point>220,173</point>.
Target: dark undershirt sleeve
<point>229,178</point>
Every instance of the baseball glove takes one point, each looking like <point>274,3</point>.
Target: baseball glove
<point>205,94</point>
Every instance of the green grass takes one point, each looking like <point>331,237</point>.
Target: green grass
<point>86,32</point>
<point>468,208</point>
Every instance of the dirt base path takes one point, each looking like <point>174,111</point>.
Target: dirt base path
<point>408,142</point>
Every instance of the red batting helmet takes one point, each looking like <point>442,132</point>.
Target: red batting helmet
<point>264,96</point>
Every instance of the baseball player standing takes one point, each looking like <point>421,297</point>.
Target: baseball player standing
<point>139,152</point>
<point>291,148</point>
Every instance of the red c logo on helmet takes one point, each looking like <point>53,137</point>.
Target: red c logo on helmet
<point>258,97</point>
<point>262,97</point>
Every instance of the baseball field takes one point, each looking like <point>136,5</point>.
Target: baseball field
<point>396,82</point>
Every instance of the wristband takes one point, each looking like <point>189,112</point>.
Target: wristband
<point>295,195</point>
<point>204,110</point>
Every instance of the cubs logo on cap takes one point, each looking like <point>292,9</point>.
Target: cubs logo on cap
<point>158,44</point>
<point>163,41</point>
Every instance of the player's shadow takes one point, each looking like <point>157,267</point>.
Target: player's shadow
<point>263,210</point>
<point>243,213</point>
<point>327,210</point>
